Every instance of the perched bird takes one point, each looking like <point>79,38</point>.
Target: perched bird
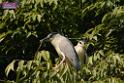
<point>64,48</point>
<point>80,49</point>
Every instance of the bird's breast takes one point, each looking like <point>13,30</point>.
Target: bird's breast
<point>79,50</point>
<point>55,44</point>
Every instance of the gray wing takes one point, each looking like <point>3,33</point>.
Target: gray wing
<point>68,50</point>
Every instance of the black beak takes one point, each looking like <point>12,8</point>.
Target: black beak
<point>44,39</point>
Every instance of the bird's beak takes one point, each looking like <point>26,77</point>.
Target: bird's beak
<point>44,39</point>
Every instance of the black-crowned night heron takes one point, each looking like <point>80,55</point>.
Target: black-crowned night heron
<point>64,48</point>
<point>80,49</point>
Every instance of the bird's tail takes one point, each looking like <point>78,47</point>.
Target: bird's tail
<point>78,66</point>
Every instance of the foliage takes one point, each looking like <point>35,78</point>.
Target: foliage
<point>101,21</point>
<point>100,67</point>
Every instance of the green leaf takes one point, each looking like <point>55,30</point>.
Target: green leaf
<point>45,55</point>
<point>10,67</point>
<point>52,74</point>
<point>29,34</point>
<point>29,64</point>
<point>34,17</point>
<point>39,18</point>
<point>101,53</point>
<point>90,60</point>
<point>20,65</point>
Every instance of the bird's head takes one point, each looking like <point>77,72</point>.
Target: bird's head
<point>49,37</point>
<point>82,42</point>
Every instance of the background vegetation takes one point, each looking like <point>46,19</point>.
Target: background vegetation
<point>101,21</point>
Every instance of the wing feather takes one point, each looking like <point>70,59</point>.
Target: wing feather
<point>68,50</point>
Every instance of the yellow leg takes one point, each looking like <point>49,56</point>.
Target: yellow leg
<point>63,59</point>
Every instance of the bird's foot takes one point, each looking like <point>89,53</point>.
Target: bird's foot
<point>56,68</point>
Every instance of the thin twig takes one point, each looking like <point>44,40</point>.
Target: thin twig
<point>38,48</point>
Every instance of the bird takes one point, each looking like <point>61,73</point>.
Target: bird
<point>81,51</point>
<point>64,48</point>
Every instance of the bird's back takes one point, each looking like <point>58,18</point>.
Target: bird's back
<point>68,49</point>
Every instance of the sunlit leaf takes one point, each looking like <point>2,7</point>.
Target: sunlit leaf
<point>39,18</point>
<point>45,55</point>
<point>90,60</point>
<point>20,65</point>
<point>29,64</point>
<point>101,52</point>
<point>10,67</point>
<point>34,17</point>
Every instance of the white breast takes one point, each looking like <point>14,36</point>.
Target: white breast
<point>81,53</point>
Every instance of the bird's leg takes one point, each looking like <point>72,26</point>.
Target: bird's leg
<point>63,59</point>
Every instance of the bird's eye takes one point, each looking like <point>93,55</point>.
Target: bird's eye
<point>80,42</point>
